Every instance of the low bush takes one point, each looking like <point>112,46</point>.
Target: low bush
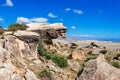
<point>60,61</point>
<point>45,73</point>
<point>88,46</point>
<point>2,67</point>
<point>116,64</point>
<point>103,51</point>
<point>117,57</point>
<point>17,26</point>
<point>90,53</point>
<point>90,58</point>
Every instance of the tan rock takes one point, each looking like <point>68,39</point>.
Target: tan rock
<point>44,26</point>
<point>30,75</point>
<point>4,56</point>
<point>99,69</point>
<point>78,54</point>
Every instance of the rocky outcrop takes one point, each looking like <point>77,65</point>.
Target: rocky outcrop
<point>78,54</point>
<point>99,69</point>
<point>48,31</point>
<point>18,51</point>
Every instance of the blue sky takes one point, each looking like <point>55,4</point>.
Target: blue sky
<point>84,18</point>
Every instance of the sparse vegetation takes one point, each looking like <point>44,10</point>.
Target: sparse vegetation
<point>117,57</point>
<point>90,53</point>
<point>2,67</point>
<point>45,73</point>
<point>1,31</point>
<point>108,59</point>
<point>61,61</point>
<point>116,64</point>
<point>103,51</point>
<point>91,57</point>
<point>88,46</point>
<point>17,26</point>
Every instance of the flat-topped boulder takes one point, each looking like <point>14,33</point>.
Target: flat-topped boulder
<point>48,29</point>
<point>27,36</point>
<point>45,26</point>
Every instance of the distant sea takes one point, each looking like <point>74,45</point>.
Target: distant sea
<point>112,40</point>
<point>98,39</point>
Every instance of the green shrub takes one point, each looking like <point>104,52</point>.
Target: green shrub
<point>17,26</point>
<point>116,64</point>
<point>90,58</point>
<point>58,60</point>
<point>40,48</point>
<point>45,73</point>
<point>90,53</point>
<point>87,46</point>
<point>103,51</point>
<point>118,55</point>
<point>2,67</point>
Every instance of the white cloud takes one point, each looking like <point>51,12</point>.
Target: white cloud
<point>39,20</point>
<point>1,19</point>
<point>67,9</point>
<point>8,3</point>
<point>78,11</point>
<point>51,15</point>
<point>73,27</point>
<point>32,20</point>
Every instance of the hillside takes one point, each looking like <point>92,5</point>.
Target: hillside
<point>37,54</point>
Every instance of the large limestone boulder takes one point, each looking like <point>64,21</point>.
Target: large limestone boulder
<point>99,69</point>
<point>55,30</point>
<point>44,26</point>
<point>78,54</point>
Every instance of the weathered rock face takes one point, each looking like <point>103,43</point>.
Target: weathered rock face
<point>99,69</point>
<point>52,30</point>
<point>30,75</point>
<point>78,54</point>
<point>4,55</point>
<point>74,65</point>
<point>8,72</point>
